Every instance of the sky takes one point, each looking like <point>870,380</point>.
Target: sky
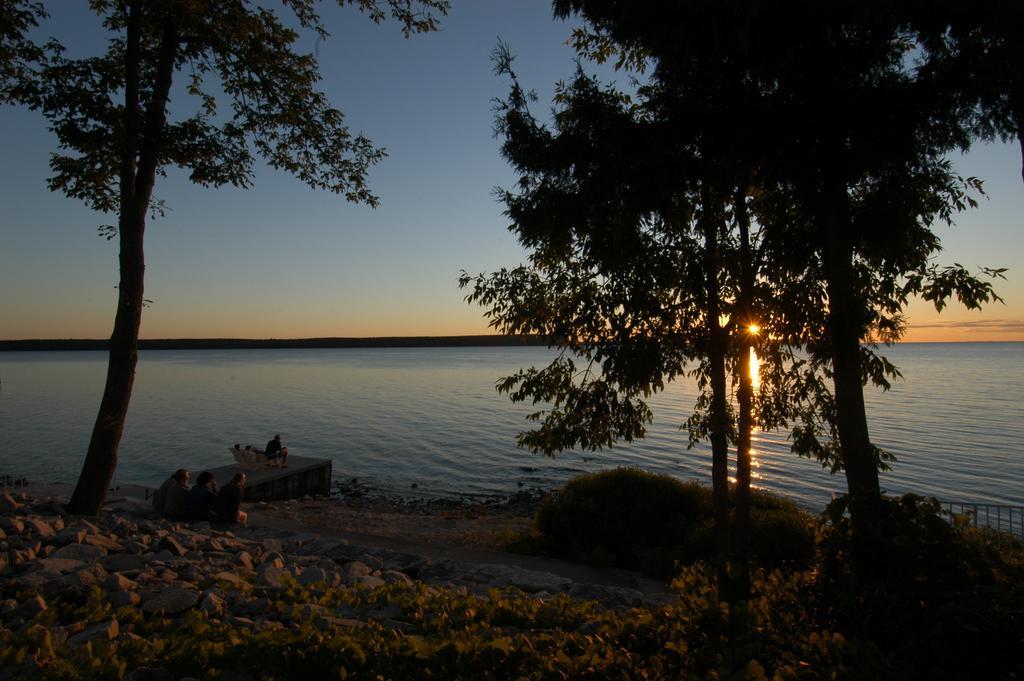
<point>280,260</point>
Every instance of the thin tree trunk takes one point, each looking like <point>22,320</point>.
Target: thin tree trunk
<point>846,328</point>
<point>745,400</point>
<point>717,340</point>
<point>136,190</point>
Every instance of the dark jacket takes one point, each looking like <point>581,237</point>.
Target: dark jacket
<point>273,448</point>
<point>228,502</point>
<point>169,500</point>
<point>201,504</point>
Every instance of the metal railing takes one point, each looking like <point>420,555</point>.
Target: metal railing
<point>1007,522</point>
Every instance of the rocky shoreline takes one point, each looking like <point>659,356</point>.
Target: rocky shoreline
<point>167,569</point>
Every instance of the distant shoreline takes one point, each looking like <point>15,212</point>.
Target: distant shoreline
<point>84,344</point>
<point>277,343</point>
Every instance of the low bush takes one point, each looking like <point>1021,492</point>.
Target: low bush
<point>940,600</point>
<point>637,520</point>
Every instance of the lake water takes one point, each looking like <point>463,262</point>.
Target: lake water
<point>431,417</point>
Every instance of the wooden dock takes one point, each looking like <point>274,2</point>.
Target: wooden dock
<point>304,475</point>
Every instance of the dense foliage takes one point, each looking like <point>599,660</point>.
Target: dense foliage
<point>638,520</point>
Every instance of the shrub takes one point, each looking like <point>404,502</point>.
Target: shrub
<point>938,600</point>
<point>637,520</point>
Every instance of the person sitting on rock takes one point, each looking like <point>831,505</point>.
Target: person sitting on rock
<point>201,501</point>
<point>169,500</point>
<point>275,452</point>
<point>230,500</point>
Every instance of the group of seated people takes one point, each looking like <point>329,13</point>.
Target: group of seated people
<point>203,501</point>
<point>275,454</point>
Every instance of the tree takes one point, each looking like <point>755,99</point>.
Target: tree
<point>17,52</point>
<point>234,62</point>
<point>850,161</point>
<point>626,215</point>
<point>975,58</point>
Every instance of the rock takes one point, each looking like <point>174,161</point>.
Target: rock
<point>62,565</point>
<point>369,581</point>
<point>118,582</point>
<point>212,605</point>
<point>272,546</point>
<point>36,580</point>
<point>246,560</point>
<point>233,579</point>
<point>386,612</point>
<point>103,541</point>
<point>394,576</point>
<point>273,558</point>
<point>88,576</point>
<point>355,569</point>
<point>172,545</point>
<point>171,600</point>
<point>104,630</point>
<point>242,622</point>
<point>326,623</point>
<point>609,596</point>
<point>120,599</point>
<point>530,581</point>
<point>149,674</point>
<point>82,552</point>
<point>30,608</point>
<point>40,527</point>
<point>256,607</point>
<point>312,575</point>
<point>122,562</point>
<point>273,577</point>
<point>12,525</point>
<point>310,610</point>
<point>71,535</point>
<point>7,503</point>
<point>163,556</point>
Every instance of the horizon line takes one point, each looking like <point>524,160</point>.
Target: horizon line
<point>226,343</point>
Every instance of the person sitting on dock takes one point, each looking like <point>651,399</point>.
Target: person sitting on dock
<point>230,500</point>
<point>275,452</point>
<point>169,500</point>
<point>201,502</point>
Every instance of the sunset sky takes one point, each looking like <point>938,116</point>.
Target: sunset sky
<point>280,260</point>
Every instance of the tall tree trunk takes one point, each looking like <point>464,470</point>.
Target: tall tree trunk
<point>717,340</point>
<point>745,399</point>
<point>846,328</point>
<point>136,190</point>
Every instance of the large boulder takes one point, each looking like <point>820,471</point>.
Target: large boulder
<point>171,600</point>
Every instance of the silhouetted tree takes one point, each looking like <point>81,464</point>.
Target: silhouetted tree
<point>110,113</point>
<point>851,157</point>
<point>17,52</point>
<point>626,213</point>
<point>974,55</point>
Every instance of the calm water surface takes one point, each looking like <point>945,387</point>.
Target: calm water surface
<point>431,417</point>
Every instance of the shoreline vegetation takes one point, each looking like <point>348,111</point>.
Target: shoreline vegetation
<point>126,595</point>
<point>38,344</point>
